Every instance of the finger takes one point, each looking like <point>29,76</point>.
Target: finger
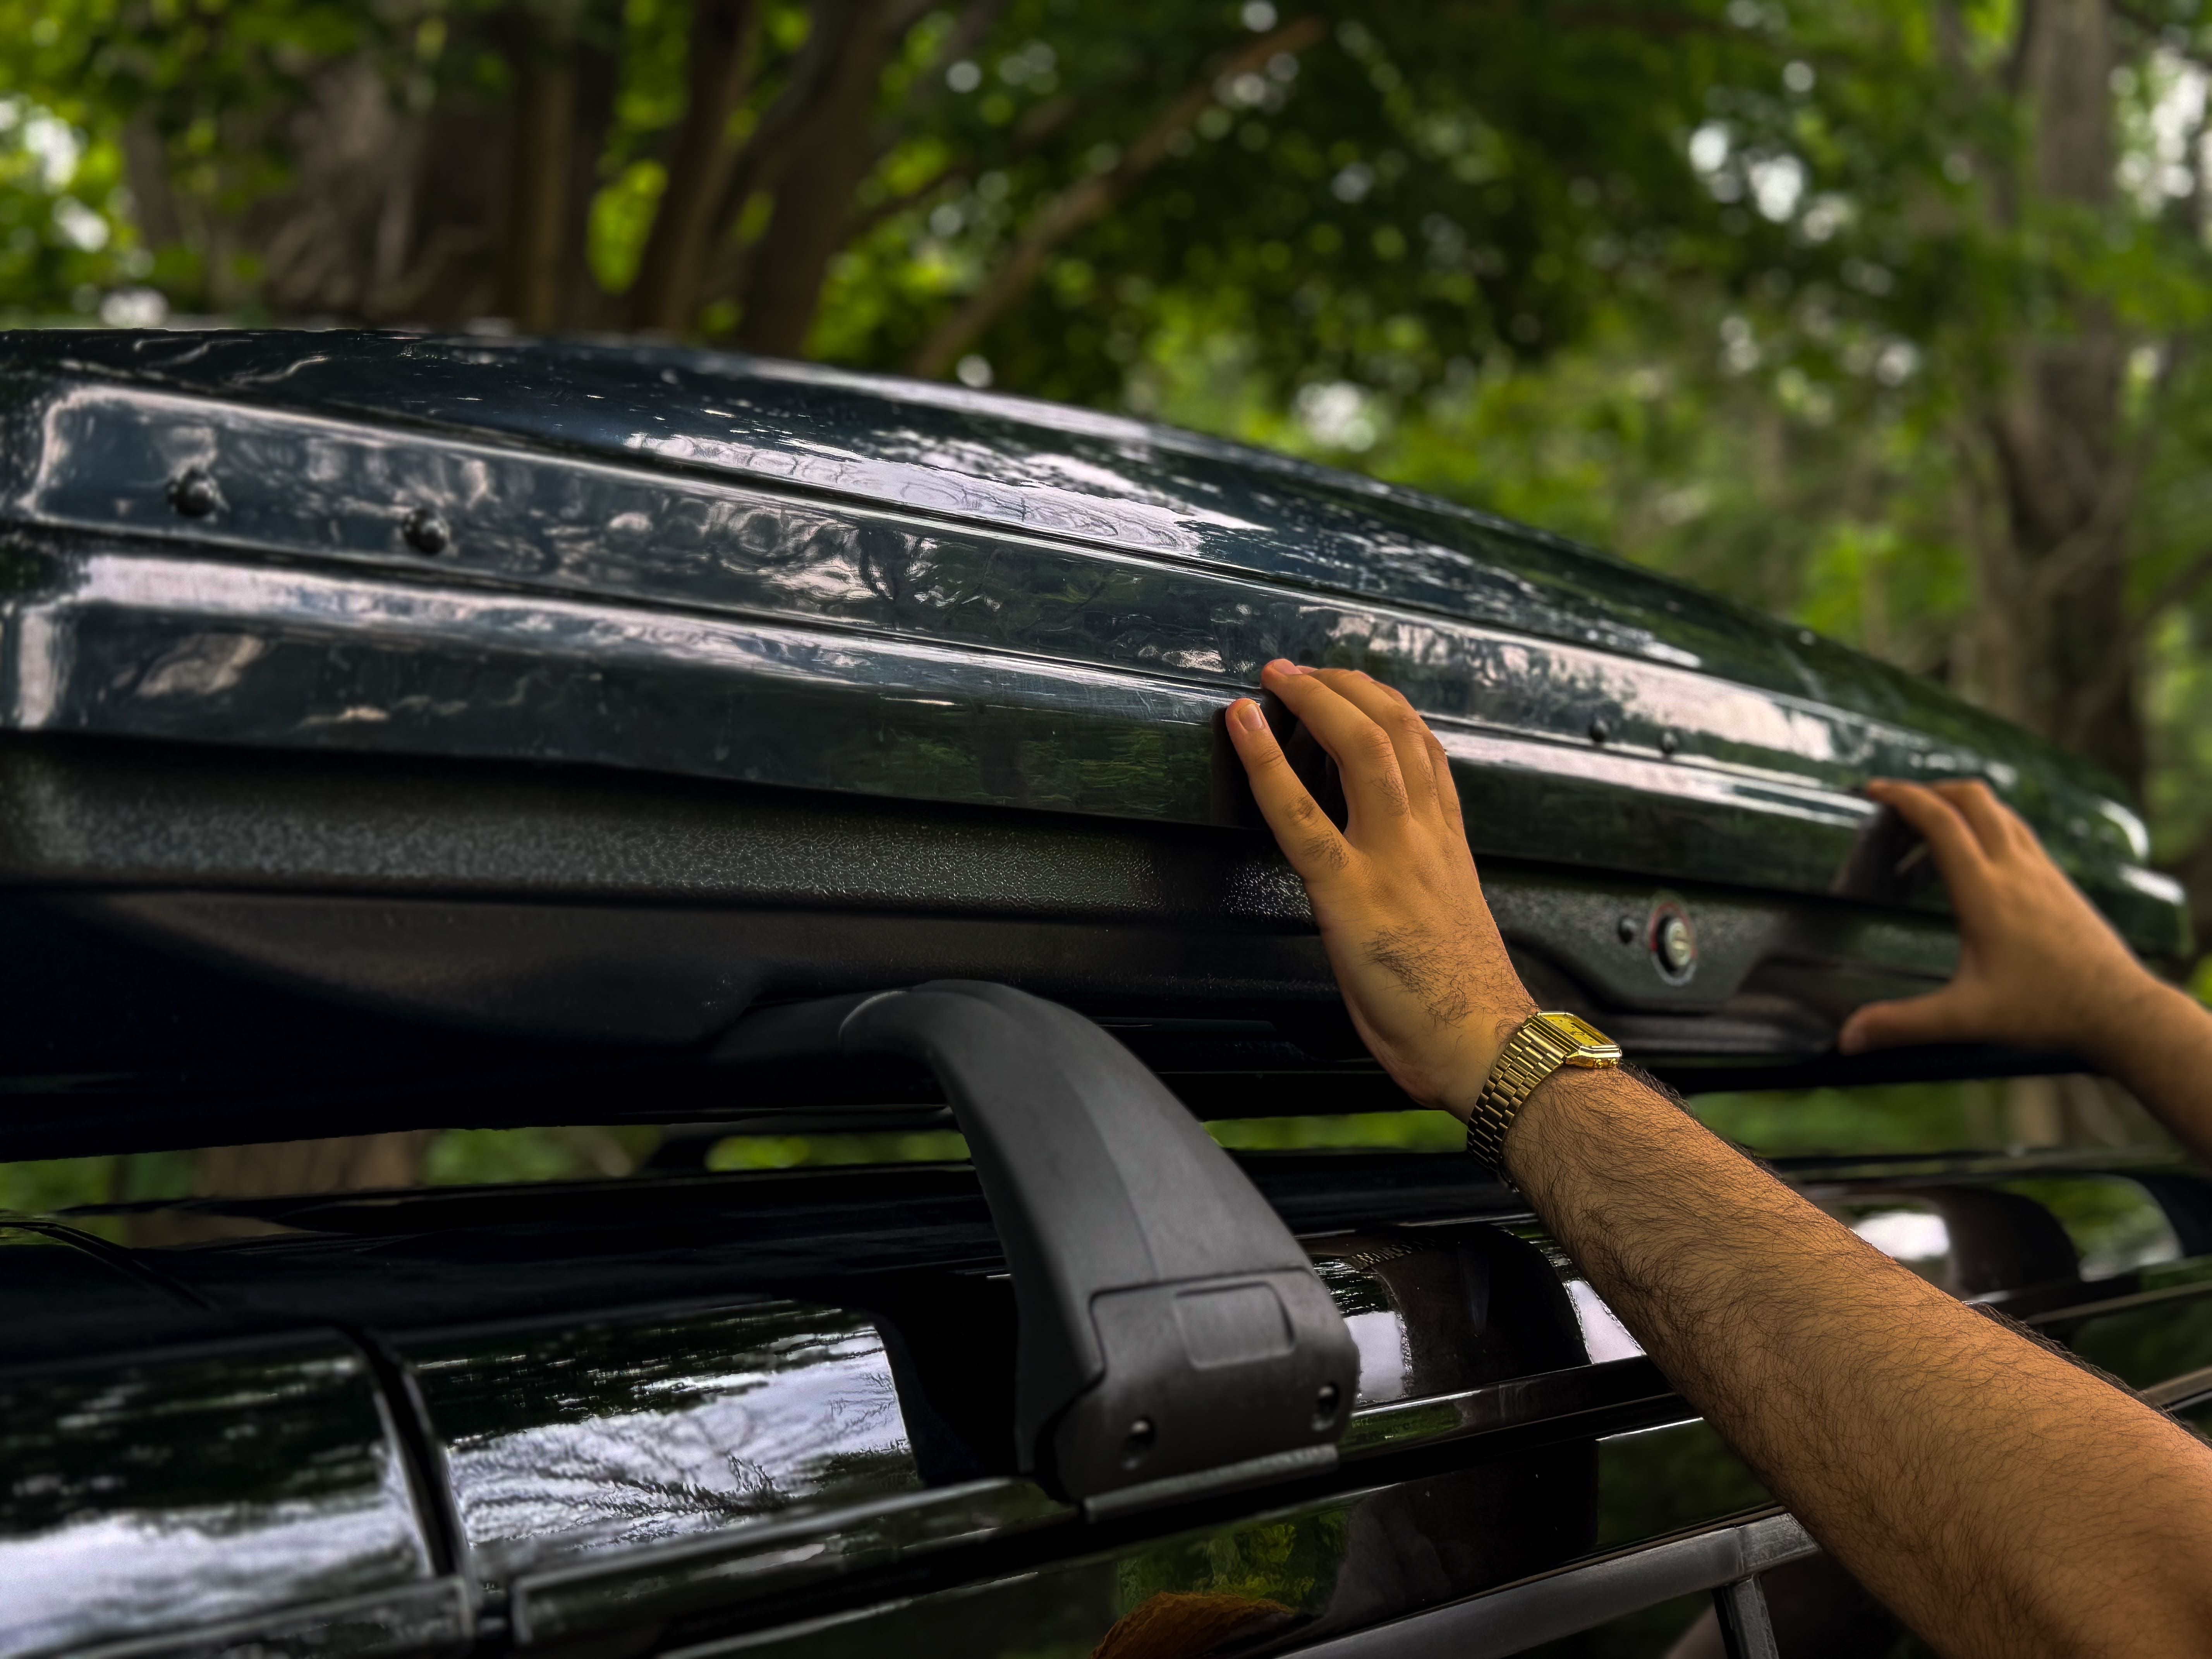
<point>1409,737</point>
<point>1959,857</point>
<point>1447,787</point>
<point>1303,830</point>
<point>1998,827</point>
<point>1439,764</point>
<point>1937,1017</point>
<point>1374,788</point>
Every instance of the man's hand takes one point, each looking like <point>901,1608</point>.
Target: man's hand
<point>1987,1491</point>
<point>1423,971</point>
<point>2038,967</point>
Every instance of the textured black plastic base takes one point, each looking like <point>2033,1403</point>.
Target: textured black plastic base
<point>273,943</point>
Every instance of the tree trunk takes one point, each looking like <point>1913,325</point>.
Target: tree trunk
<point>670,276</point>
<point>386,217</point>
<point>152,197</point>
<point>585,306</point>
<point>541,170</point>
<point>829,150</point>
<point>355,156</point>
<point>2054,648</point>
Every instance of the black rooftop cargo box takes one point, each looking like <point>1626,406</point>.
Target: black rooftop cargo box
<point>376,712</point>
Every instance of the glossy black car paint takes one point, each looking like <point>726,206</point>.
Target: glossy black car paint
<point>172,1471</point>
<point>654,1414</point>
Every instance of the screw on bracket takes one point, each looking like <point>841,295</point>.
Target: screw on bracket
<point>1676,945</point>
<point>192,493</point>
<point>426,531</point>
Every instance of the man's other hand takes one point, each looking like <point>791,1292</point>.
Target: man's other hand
<point>2038,966</point>
<point>1423,972</point>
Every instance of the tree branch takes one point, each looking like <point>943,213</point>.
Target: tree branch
<point>760,162</point>
<point>2156,30</point>
<point>1088,199</point>
<point>929,88</point>
<point>1029,132</point>
<point>666,295</point>
<point>2093,541</point>
<point>1638,21</point>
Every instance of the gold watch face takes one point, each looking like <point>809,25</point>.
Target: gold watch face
<point>1592,1046</point>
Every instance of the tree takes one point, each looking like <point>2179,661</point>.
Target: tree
<point>327,159</point>
<point>2054,612</point>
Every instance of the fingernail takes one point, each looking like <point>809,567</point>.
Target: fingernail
<point>1851,1041</point>
<point>1246,714</point>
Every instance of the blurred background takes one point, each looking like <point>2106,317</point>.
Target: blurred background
<point>1890,317</point>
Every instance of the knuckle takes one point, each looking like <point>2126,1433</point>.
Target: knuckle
<point>1328,850</point>
<point>1374,743</point>
<point>1310,837</point>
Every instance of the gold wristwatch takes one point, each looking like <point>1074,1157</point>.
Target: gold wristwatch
<point>1543,1044</point>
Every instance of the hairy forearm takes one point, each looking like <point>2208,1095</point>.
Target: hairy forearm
<point>1989,1492</point>
<point>2155,1040</point>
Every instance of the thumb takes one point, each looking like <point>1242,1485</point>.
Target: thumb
<point>1931,1018</point>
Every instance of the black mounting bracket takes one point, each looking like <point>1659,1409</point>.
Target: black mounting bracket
<point>1173,1340</point>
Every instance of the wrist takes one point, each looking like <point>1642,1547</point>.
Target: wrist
<point>2113,1030</point>
<point>1542,1046</point>
<point>1483,1041</point>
